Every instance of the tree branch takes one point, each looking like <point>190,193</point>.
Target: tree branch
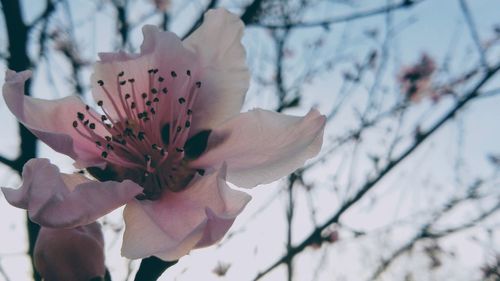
<point>17,32</point>
<point>355,16</point>
<point>473,31</point>
<point>419,139</point>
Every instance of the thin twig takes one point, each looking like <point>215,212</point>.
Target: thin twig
<point>473,31</point>
<point>355,16</point>
<point>419,139</point>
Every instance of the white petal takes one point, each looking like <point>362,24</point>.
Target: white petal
<point>178,222</point>
<point>224,77</point>
<point>262,146</point>
<point>66,200</point>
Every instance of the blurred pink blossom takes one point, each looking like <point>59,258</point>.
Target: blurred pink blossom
<point>416,80</point>
<point>70,254</point>
<point>167,135</point>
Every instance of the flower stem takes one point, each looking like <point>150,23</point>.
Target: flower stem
<point>152,268</point>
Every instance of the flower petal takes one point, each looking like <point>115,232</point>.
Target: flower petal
<point>261,146</point>
<point>225,77</point>
<point>70,254</point>
<point>50,120</point>
<point>66,200</point>
<point>178,222</point>
<point>160,50</point>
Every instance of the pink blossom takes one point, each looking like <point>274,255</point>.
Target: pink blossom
<point>167,135</point>
<point>70,254</point>
<point>416,80</point>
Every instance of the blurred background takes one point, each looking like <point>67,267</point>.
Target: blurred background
<point>406,186</point>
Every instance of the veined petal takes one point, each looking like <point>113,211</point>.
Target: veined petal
<point>66,200</point>
<point>70,253</point>
<point>178,222</point>
<point>225,76</point>
<point>261,146</point>
<point>50,120</point>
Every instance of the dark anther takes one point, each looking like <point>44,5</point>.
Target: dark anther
<point>197,144</point>
<point>201,172</point>
<point>104,118</point>
<point>100,103</point>
<point>150,71</point>
<point>132,105</point>
<point>153,111</point>
<point>179,149</point>
<point>188,72</point>
<point>188,124</point>
<point>198,84</point>
<point>164,90</point>
<point>128,132</point>
<point>131,80</point>
<point>154,91</point>
<point>98,143</point>
<point>146,119</point>
<point>121,73</point>
<point>108,138</point>
<point>75,124</point>
<point>139,115</point>
<point>100,82</point>
<point>127,96</point>
<point>104,154</point>
<point>189,112</point>
<point>156,100</point>
<point>165,133</point>
<point>182,100</point>
<point>162,152</point>
<point>173,74</point>
<point>144,95</point>
<point>86,122</point>
<point>148,103</point>
<point>155,70</point>
<point>123,82</point>
<point>161,79</point>
<point>140,135</point>
<point>92,126</point>
<point>178,129</point>
<point>80,116</point>
<point>109,146</point>
<point>87,107</point>
<point>154,146</point>
<point>147,157</point>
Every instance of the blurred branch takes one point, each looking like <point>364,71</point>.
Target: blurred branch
<point>354,16</point>
<point>4,275</point>
<point>122,21</point>
<point>419,139</point>
<point>289,219</point>
<point>426,232</point>
<point>18,60</point>
<point>251,12</point>
<point>47,12</point>
<point>473,30</point>
<point>198,22</point>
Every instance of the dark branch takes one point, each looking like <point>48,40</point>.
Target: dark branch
<point>473,30</point>
<point>198,22</point>
<point>17,32</point>
<point>326,22</point>
<point>313,237</point>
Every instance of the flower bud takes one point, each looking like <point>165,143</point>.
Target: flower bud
<point>70,254</point>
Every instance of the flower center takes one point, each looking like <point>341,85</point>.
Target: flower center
<point>143,129</point>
